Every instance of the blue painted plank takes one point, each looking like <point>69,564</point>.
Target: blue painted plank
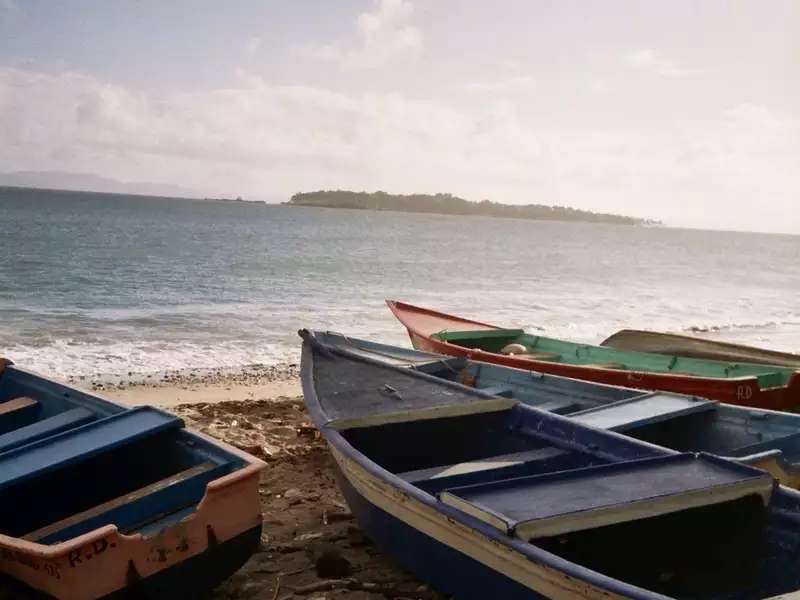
<point>499,390</point>
<point>141,510</point>
<point>45,427</point>
<point>82,443</point>
<point>646,410</point>
<point>552,501</point>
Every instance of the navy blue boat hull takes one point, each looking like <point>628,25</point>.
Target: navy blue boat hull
<point>402,438</point>
<point>447,570</point>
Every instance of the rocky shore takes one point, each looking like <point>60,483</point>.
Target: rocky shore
<point>171,388</point>
<point>255,374</point>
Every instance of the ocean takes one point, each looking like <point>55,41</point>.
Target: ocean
<point>96,284</point>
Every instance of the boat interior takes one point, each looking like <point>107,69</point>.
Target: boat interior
<point>767,439</point>
<point>685,525</point>
<point>515,342</point>
<point>509,470</point>
<point>77,462</point>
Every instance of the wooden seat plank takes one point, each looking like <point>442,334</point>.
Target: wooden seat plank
<point>71,447</point>
<point>128,498</point>
<point>46,427</point>
<point>506,391</point>
<point>642,410</point>
<point>566,501</point>
<point>17,412</point>
<point>482,464</point>
<point>15,404</point>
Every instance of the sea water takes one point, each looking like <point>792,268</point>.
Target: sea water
<point>108,284</point>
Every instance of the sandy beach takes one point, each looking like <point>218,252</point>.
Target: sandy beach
<point>311,546</point>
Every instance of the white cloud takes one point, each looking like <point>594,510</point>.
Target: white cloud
<point>253,45</point>
<point>756,116</point>
<point>600,86</point>
<point>259,139</point>
<point>650,61</point>
<point>512,85</point>
<point>385,35</point>
<point>511,64</point>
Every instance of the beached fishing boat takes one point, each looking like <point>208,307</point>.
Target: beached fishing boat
<point>484,497</point>
<point>98,500</point>
<point>764,386</point>
<point>765,439</point>
<point>635,340</point>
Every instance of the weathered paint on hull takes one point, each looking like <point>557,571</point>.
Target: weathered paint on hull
<point>454,558</point>
<point>743,391</point>
<point>105,561</point>
<point>429,560</point>
<point>188,580</point>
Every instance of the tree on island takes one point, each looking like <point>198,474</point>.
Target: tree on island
<point>447,204</point>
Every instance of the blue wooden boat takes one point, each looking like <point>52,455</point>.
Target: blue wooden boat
<point>98,500</point>
<point>766,439</point>
<point>486,497</point>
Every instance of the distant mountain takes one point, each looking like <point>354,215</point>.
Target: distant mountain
<point>88,182</point>
<point>447,204</point>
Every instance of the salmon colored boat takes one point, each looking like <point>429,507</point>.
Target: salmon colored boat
<point>102,501</point>
<point>764,386</point>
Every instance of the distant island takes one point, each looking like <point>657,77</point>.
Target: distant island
<point>447,204</point>
<point>12,192</point>
<point>89,182</point>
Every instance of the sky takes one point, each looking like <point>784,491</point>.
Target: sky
<point>683,111</point>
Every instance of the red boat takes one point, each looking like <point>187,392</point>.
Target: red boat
<point>765,386</point>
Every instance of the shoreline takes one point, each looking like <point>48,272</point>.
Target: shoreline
<point>197,386</point>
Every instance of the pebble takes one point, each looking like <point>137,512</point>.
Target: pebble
<point>330,564</point>
<point>292,493</point>
<point>247,375</point>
